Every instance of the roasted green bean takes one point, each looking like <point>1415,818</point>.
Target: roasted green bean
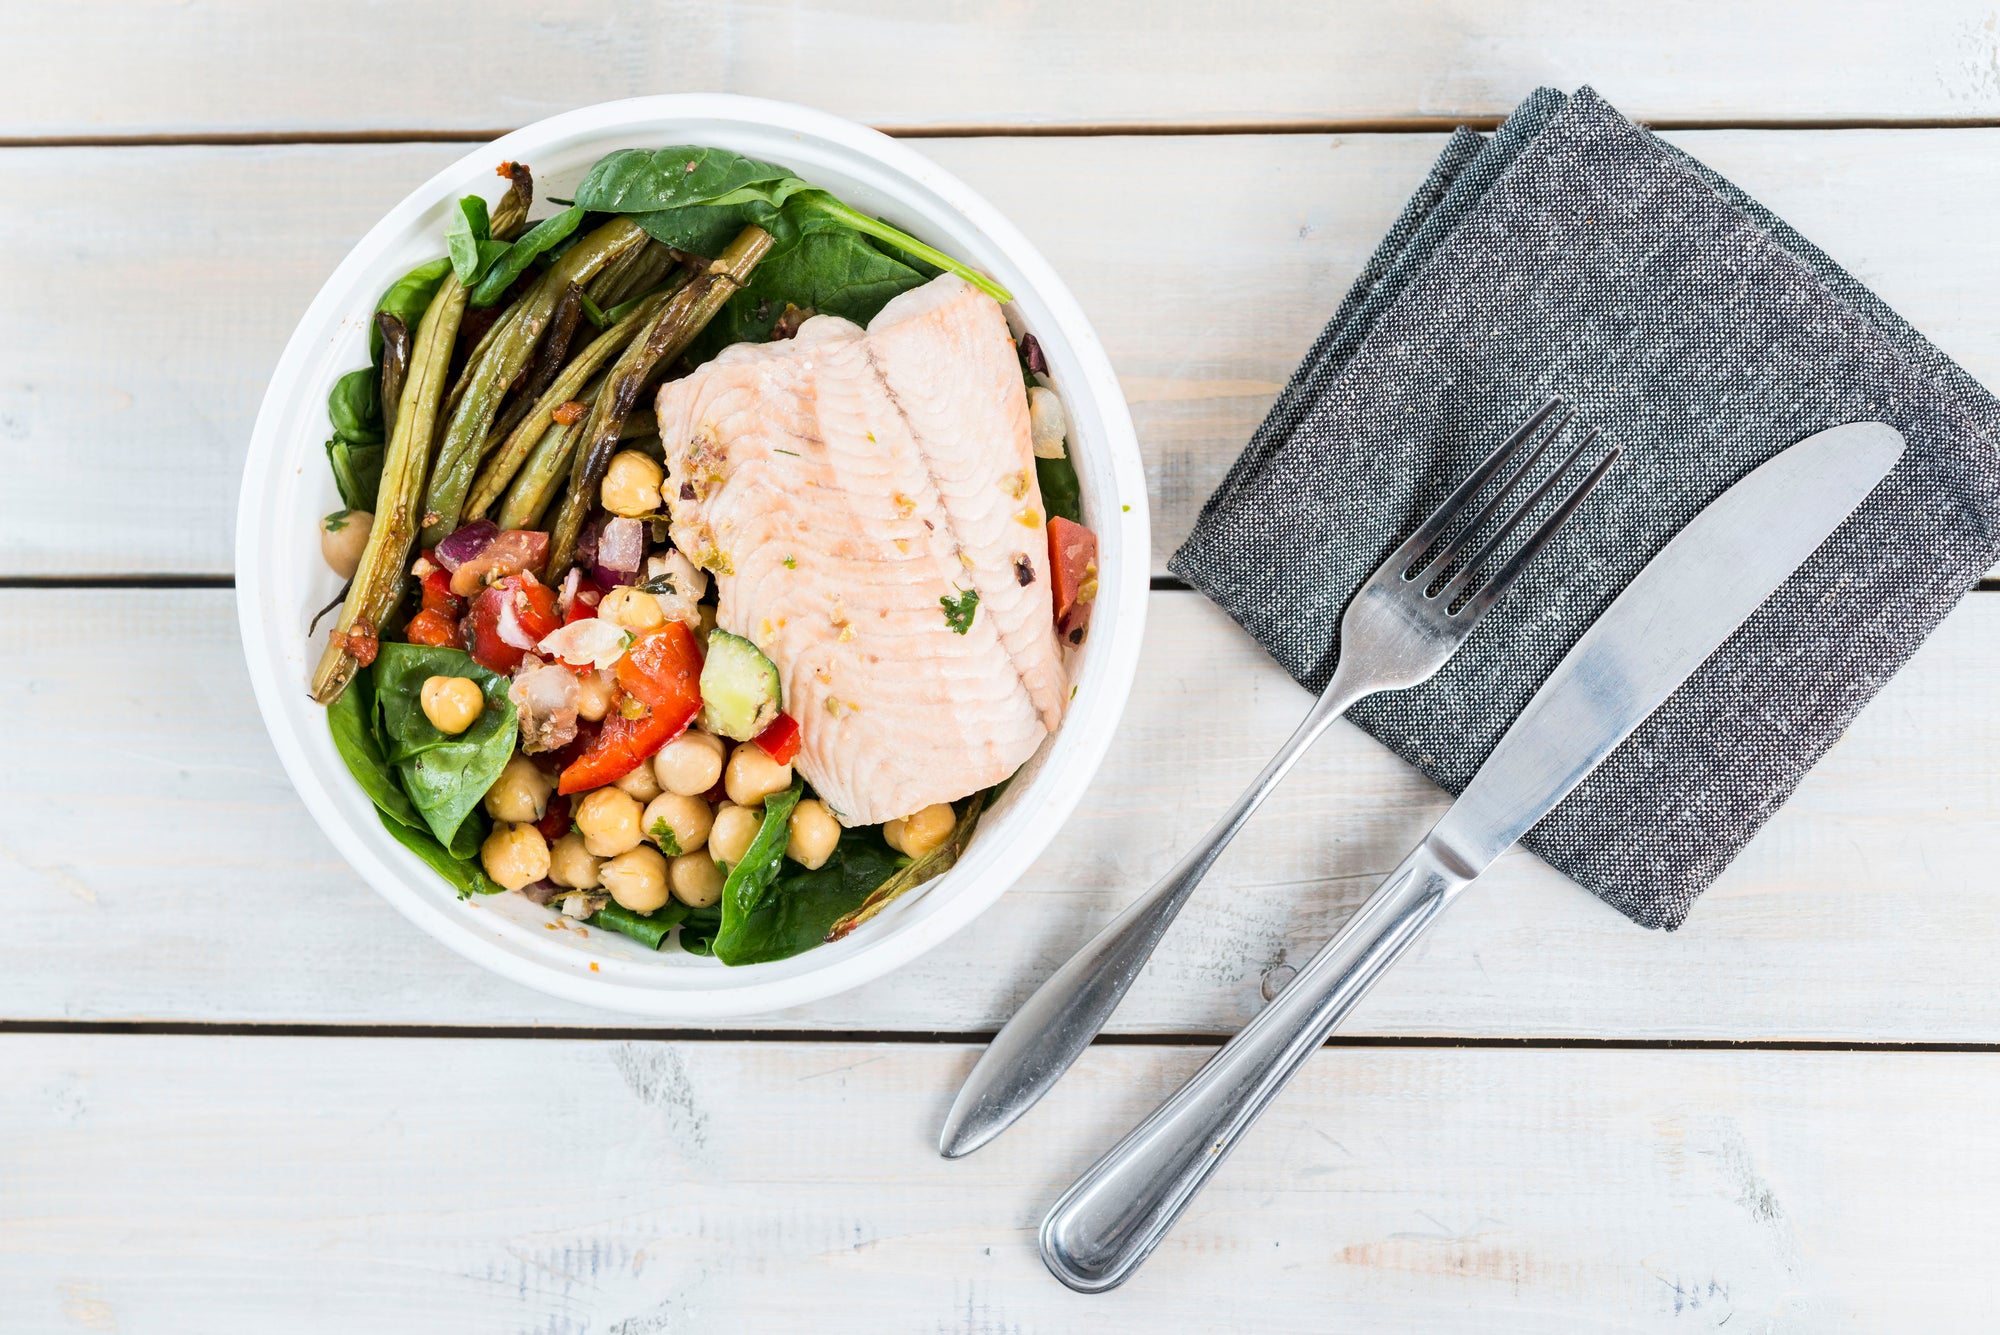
<point>685,316</point>
<point>502,464</point>
<point>465,436</point>
<point>546,468</point>
<point>395,366</point>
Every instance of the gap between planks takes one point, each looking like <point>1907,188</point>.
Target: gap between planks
<point>1192,1039</point>
<point>1113,129</point>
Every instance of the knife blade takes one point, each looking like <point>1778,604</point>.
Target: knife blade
<point>1689,598</point>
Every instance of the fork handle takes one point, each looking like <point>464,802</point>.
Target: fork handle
<point>1117,1212</point>
<point>1055,1025</point>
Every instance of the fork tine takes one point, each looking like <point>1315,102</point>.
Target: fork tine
<point>1442,561</point>
<point>1504,577</point>
<point>1427,533</point>
<point>1471,568</point>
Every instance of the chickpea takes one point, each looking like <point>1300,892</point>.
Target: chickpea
<point>695,879</point>
<point>634,609</point>
<point>751,775</point>
<point>594,693</point>
<point>640,783</point>
<point>690,764</point>
<point>520,793</point>
<point>637,879</point>
<point>515,855</point>
<point>452,704</point>
<point>684,820</point>
<point>917,834</point>
<point>631,484</point>
<point>341,539</point>
<point>608,819</point>
<point>730,833</point>
<point>811,835</point>
<point>572,865</point>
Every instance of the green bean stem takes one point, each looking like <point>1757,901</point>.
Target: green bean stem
<point>685,316</point>
<point>464,440</point>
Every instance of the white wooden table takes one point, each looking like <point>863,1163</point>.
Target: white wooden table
<point>238,1093</point>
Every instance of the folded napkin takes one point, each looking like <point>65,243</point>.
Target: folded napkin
<point>1573,253</point>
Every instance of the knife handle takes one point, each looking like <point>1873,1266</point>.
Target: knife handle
<point>1117,1212</point>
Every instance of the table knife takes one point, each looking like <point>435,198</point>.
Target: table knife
<point>1691,597</point>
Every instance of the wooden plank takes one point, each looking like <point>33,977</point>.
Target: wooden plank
<point>250,1185</point>
<point>123,422</point>
<point>156,865</point>
<point>235,66</point>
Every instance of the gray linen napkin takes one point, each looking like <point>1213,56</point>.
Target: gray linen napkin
<point>1572,252</point>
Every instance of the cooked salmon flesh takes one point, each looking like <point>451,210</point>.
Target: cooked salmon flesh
<point>854,491</point>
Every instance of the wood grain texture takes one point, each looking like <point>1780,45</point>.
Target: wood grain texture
<point>235,66</point>
<point>184,1185</point>
<point>140,336</point>
<point>156,865</point>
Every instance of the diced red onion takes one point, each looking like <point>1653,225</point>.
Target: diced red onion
<point>621,550</point>
<point>468,542</point>
<point>542,891</point>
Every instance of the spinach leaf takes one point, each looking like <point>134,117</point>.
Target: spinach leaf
<point>354,405</point>
<point>668,185</point>
<point>521,253</point>
<point>351,720</point>
<point>357,472</point>
<point>1062,494</point>
<point>648,929</point>
<point>753,874</point>
<point>698,930</point>
<point>802,907</point>
<point>639,180</point>
<point>468,228</point>
<point>464,874</point>
<point>932,864</point>
<point>444,775</point>
<point>408,298</point>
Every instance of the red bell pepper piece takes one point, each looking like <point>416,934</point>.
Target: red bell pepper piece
<point>532,606</point>
<point>432,628</point>
<point>439,598</point>
<point>781,740</point>
<point>1073,559</point>
<point>662,672</point>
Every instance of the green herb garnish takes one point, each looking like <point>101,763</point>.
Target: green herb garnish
<point>958,611</point>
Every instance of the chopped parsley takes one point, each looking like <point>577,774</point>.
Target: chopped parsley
<point>662,832</point>
<point>336,521</point>
<point>958,611</point>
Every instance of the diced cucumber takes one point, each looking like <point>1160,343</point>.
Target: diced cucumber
<point>739,688</point>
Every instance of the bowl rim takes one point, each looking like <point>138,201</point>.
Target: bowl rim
<point>1114,651</point>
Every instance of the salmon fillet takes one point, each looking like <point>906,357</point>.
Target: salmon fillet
<point>838,485</point>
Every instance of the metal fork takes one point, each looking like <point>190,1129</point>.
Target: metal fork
<point>1401,627</point>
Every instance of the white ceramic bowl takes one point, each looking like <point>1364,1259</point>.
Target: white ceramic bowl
<point>281,579</point>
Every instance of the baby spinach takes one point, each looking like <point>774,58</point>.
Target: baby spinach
<point>357,472</point>
<point>648,929</point>
<point>802,907</point>
<point>444,775</point>
<point>354,406</point>
<point>468,229</point>
<point>462,870</point>
<point>353,719</point>
<point>755,871</point>
<point>669,185</point>
<point>408,298</point>
<point>931,865</point>
<point>539,238</point>
<point>1062,494</point>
